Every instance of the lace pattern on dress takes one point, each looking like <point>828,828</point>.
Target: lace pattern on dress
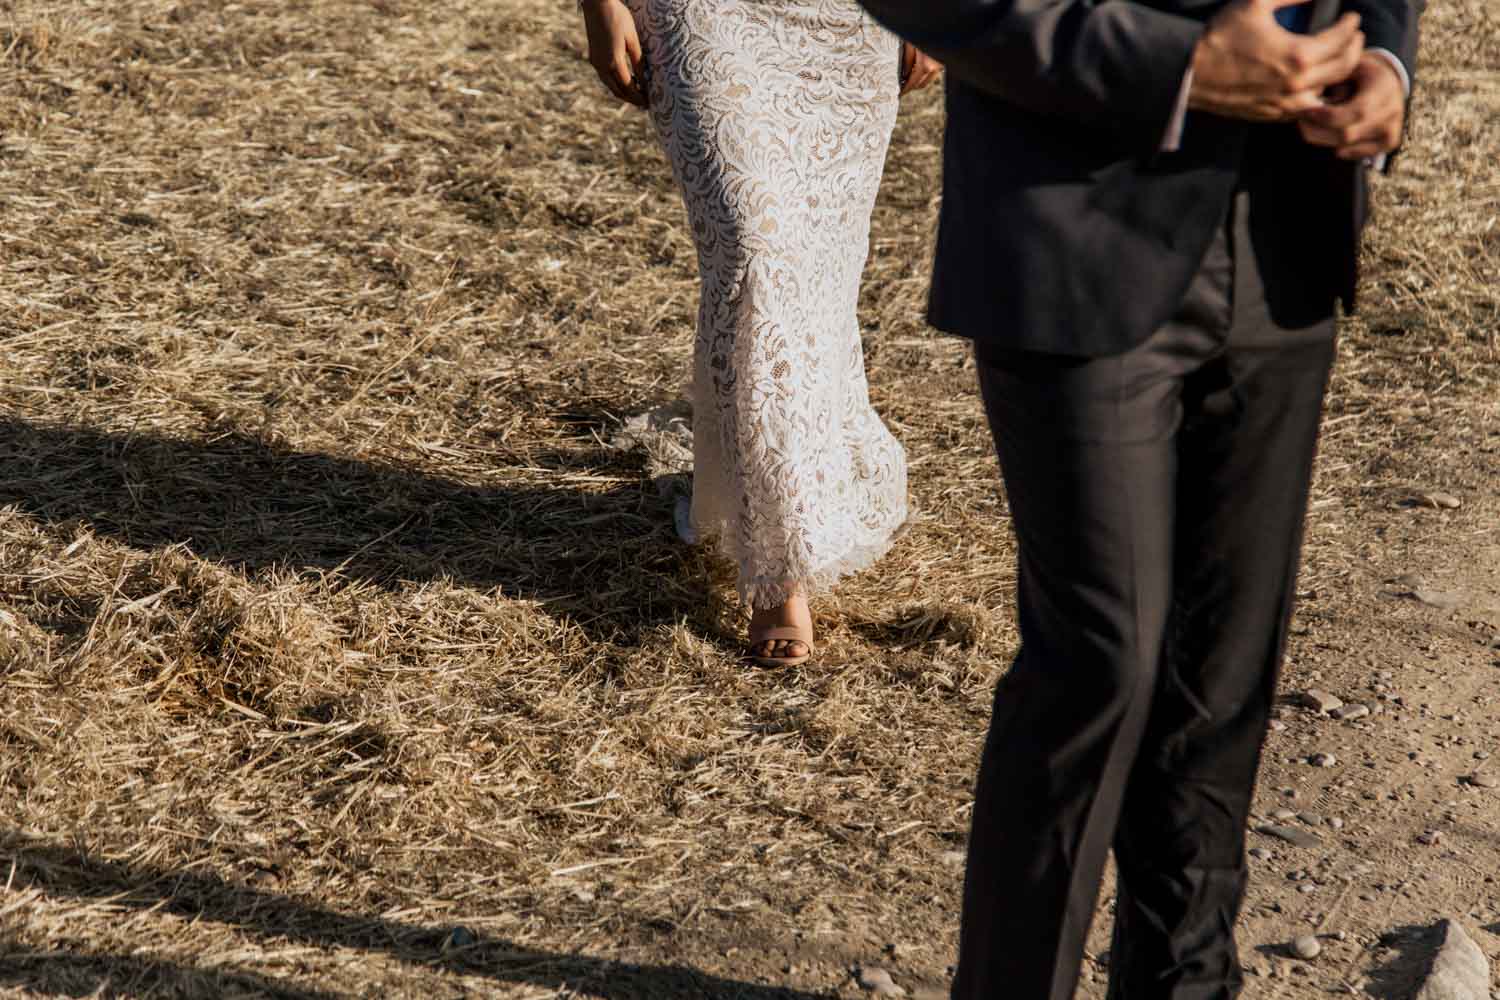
<point>776,116</point>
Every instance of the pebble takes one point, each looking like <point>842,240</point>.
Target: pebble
<point>1277,726</point>
<point>1336,822</point>
<point>1442,600</point>
<point>1295,836</point>
<point>460,937</point>
<point>1346,713</point>
<point>1318,701</point>
<point>1459,969</point>
<point>879,982</point>
<point>1430,837</point>
<point>1322,760</point>
<point>953,859</point>
<point>1282,815</point>
<point>1306,946</point>
<point>1311,819</point>
<point>1259,853</point>
<point>1481,755</point>
<point>1484,781</point>
<point>1446,501</point>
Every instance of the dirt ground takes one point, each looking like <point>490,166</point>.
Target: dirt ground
<point>342,654</point>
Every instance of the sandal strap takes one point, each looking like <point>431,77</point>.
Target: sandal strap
<point>783,633</point>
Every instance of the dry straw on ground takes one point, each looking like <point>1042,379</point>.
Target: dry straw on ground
<point>329,622</point>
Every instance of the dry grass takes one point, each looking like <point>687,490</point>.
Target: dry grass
<point>328,620</point>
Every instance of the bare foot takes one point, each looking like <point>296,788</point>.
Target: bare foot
<point>793,615</point>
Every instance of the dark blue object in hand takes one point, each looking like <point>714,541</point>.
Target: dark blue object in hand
<point>1295,18</point>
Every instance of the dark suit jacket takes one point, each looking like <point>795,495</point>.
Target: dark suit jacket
<point>1063,229</point>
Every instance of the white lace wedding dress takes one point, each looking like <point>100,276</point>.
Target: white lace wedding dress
<point>776,115</point>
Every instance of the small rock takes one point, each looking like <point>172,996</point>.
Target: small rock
<point>1446,501</point>
<point>954,859</point>
<point>1322,760</point>
<point>1430,837</point>
<point>1282,815</point>
<point>1311,819</point>
<point>1292,835</point>
<point>459,937</point>
<point>1307,887</point>
<point>1346,713</point>
<point>1482,780</point>
<point>1336,822</point>
<point>1277,726</point>
<point>1306,946</point>
<point>1481,755</point>
<point>1318,701</point>
<point>879,982</point>
<point>1442,600</point>
<point>264,878</point>
<point>1459,971</point>
<point>1259,853</point>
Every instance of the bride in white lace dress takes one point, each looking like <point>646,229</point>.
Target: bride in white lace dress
<point>776,116</point>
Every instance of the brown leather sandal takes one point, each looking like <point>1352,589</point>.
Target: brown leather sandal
<point>781,633</point>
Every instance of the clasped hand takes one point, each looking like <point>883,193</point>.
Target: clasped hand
<point>1341,96</point>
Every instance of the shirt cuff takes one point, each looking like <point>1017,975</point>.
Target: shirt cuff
<point>1396,64</point>
<point>1171,142</point>
<point>1378,162</point>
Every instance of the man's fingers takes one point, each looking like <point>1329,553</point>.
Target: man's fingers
<point>1362,151</point>
<point>1342,44</point>
<point>1337,116</point>
<point>1365,137</point>
<point>1301,103</point>
<point>1317,135</point>
<point>1322,76</point>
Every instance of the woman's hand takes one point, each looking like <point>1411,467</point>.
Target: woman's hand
<point>918,69</point>
<point>615,49</point>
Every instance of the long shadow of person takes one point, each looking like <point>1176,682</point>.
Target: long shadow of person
<point>594,543</point>
<point>65,872</point>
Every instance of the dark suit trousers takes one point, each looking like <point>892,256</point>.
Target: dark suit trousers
<point>1157,498</point>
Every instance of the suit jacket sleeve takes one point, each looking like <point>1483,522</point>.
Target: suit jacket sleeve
<point>1115,65</point>
<point>1390,25</point>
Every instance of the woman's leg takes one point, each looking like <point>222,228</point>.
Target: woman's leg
<point>776,118</point>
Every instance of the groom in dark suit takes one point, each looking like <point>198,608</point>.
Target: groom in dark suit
<point>1150,210</point>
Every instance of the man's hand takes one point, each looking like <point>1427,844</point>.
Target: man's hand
<point>1248,66</point>
<point>1367,120</point>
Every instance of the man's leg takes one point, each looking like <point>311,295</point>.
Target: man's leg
<point>1089,454</point>
<point>1246,451</point>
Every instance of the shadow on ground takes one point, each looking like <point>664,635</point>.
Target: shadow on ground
<point>604,555</point>
<point>1410,950</point>
<point>64,872</point>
